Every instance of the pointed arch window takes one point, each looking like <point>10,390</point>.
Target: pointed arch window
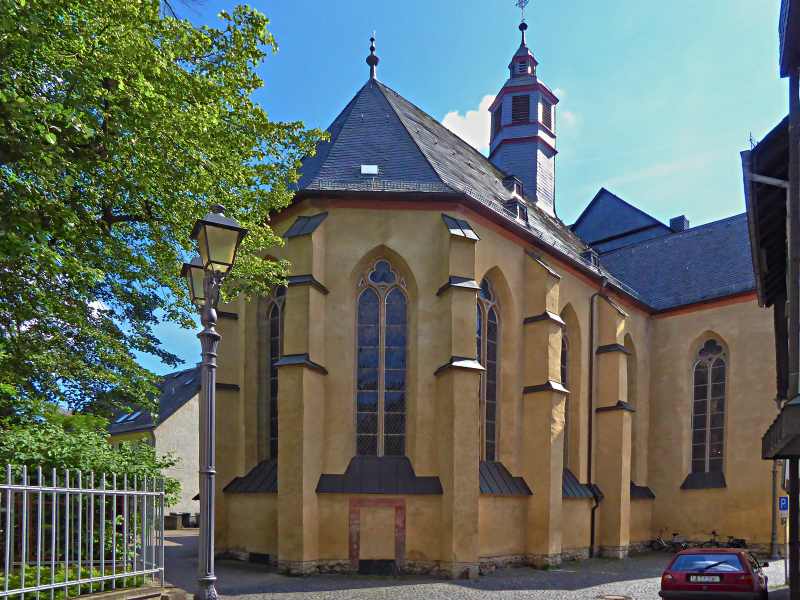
<point>381,339</point>
<point>275,339</point>
<point>708,408</point>
<point>488,346</point>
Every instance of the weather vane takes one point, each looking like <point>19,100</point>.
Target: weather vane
<point>522,4</point>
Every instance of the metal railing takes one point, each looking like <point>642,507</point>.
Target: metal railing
<point>66,533</point>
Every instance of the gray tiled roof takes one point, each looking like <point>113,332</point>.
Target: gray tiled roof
<point>176,390</point>
<point>496,480</point>
<point>263,479</point>
<point>379,475</point>
<point>608,222</point>
<point>701,263</point>
<point>572,488</point>
<point>415,153</point>
<point>641,492</point>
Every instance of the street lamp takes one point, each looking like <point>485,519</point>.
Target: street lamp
<point>218,238</point>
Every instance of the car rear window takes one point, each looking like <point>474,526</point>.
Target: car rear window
<point>708,563</point>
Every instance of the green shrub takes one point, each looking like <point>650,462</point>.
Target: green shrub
<point>46,577</point>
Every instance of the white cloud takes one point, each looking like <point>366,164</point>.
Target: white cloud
<point>473,126</point>
<point>568,118</point>
<point>560,93</point>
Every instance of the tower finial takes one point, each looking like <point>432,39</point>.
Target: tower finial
<point>522,4</point>
<point>523,26</point>
<point>372,59</point>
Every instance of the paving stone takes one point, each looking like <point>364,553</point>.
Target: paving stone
<point>636,578</point>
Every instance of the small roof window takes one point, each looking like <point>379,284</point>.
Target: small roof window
<point>369,169</point>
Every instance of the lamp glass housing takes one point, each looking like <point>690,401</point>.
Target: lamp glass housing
<point>218,238</point>
<point>217,246</point>
<point>195,276</point>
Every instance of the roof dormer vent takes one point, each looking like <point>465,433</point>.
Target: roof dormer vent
<point>591,257</point>
<point>513,184</point>
<point>517,208</point>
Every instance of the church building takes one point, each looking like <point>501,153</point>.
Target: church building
<point>453,379</point>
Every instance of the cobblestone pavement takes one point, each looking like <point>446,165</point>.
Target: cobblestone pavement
<point>636,578</point>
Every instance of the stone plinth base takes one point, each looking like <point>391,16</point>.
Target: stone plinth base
<point>544,561</point>
<point>618,552</point>
<point>492,563</point>
<point>459,570</point>
<point>639,547</point>
<point>569,554</point>
<point>300,567</point>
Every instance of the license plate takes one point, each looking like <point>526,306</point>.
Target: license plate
<point>704,578</point>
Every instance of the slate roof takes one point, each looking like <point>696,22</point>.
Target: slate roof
<point>263,478</point>
<point>176,390</point>
<point>379,475</point>
<point>496,480</point>
<point>608,223</point>
<point>641,492</point>
<point>414,153</point>
<point>702,263</point>
<point>572,488</point>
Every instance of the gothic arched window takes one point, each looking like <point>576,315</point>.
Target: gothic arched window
<point>381,339</point>
<point>275,337</point>
<point>565,383</point>
<point>488,340</point>
<point>708,408</point>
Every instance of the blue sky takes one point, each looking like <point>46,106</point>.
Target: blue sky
<point>657,98</point>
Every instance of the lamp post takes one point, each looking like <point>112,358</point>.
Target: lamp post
<point>218,238</point>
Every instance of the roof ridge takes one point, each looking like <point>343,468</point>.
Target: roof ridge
<point>675,234</point>
<point>598,195</point>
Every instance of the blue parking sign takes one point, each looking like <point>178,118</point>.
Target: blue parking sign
<point>783,505</point>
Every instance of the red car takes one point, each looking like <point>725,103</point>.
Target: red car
<point>707,573</point>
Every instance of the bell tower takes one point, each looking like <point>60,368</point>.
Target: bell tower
<point>523,138</point>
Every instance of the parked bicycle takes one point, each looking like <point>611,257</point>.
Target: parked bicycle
<point>674,545</point>
<point>733,542</point>
<point>713,542</point>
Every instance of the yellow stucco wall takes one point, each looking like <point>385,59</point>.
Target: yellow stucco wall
<point>252,522</point>
<point>460,527</point>
<point>575,525</point>
<point>422,524</point>
<point>641,521</point>
<point>741,509</point>
<point>499,526</point>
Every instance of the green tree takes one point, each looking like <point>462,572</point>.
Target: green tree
<point>120,126</point>
<point>81,442</point>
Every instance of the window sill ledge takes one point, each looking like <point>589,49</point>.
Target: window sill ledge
<point>704,481</point>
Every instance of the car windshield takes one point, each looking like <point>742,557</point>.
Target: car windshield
<point>707,563</point>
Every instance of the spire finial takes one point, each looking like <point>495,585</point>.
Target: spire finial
<point>523,26</point>
<point>372,59</point>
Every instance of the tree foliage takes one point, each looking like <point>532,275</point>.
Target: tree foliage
<point>119,127</point>
<point>81,442</point>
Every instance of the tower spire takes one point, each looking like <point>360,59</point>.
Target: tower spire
<point>372,59</point>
